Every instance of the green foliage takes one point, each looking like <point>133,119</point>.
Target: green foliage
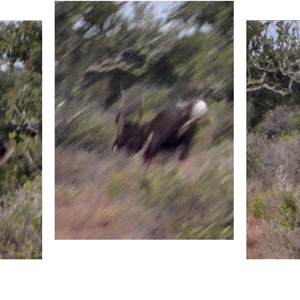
<point>21,222</point>
<point>254,34</point>
<point>254,150</point>
<point>290,211</point>
<point>195,208</point>
<point>295,115</point>
<point>186,204</point>
<point>25,164</point>
<point>209,66</point>
<point>258,207</point>
<point>152,188</point>
<point>117,184</point>
<point>6,83</point>
<point>219,15</point>
<point>86,133</point>
<point>197,63</point>
<point>280,121</point>
<point>22,42</point>
<point>222,123</point>
<point>277,122</point>
<point>272,67</point>
<point>205,231</point>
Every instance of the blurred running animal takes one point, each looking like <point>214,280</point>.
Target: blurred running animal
<point>174,126</point>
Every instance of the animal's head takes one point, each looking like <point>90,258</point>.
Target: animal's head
<point>130,135</point>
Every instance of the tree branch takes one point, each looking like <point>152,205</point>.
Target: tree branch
<point>261,80</point>
<point>266,86</point>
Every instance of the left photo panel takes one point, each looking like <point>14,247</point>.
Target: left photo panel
<point>20,139</point>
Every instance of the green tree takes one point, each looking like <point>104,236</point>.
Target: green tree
<point>273,65</point>
<point>203,57</point>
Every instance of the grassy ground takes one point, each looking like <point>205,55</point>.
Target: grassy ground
<point>93,201</point>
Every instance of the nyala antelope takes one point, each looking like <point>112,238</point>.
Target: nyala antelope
<point>172,127</point>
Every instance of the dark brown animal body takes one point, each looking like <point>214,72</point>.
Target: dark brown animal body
<point>174,126</point>
<point>2,151</point>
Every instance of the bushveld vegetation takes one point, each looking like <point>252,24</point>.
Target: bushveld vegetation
<point>21,140</point>
<point>157,62</point>
<point>273,142</point>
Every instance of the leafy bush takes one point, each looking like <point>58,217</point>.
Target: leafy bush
<point>222,121</point>
<point>118,184</point>
<point>258,206</point>
<point>276,122</point>
<point>289,210</point>
<point>21,134</point>
<point>186,204</point>
<point>21,222</point>
<point>90,132</point>
<point>254,151</point>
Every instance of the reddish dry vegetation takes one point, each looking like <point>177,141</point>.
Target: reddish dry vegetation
<point>266,239</point>
<point>253,236</point>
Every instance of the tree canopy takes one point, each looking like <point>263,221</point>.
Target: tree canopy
<point>273,65</point>
<point>106,45</point>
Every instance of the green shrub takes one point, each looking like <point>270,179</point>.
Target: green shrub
<point>117,184</point>
<point>258,206</point>
<point>21,222</point>
<point>276,122</point>
<point>254,152</point>
<point>222,121</point>
<point>289,210</point>
<point>280,122</point>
